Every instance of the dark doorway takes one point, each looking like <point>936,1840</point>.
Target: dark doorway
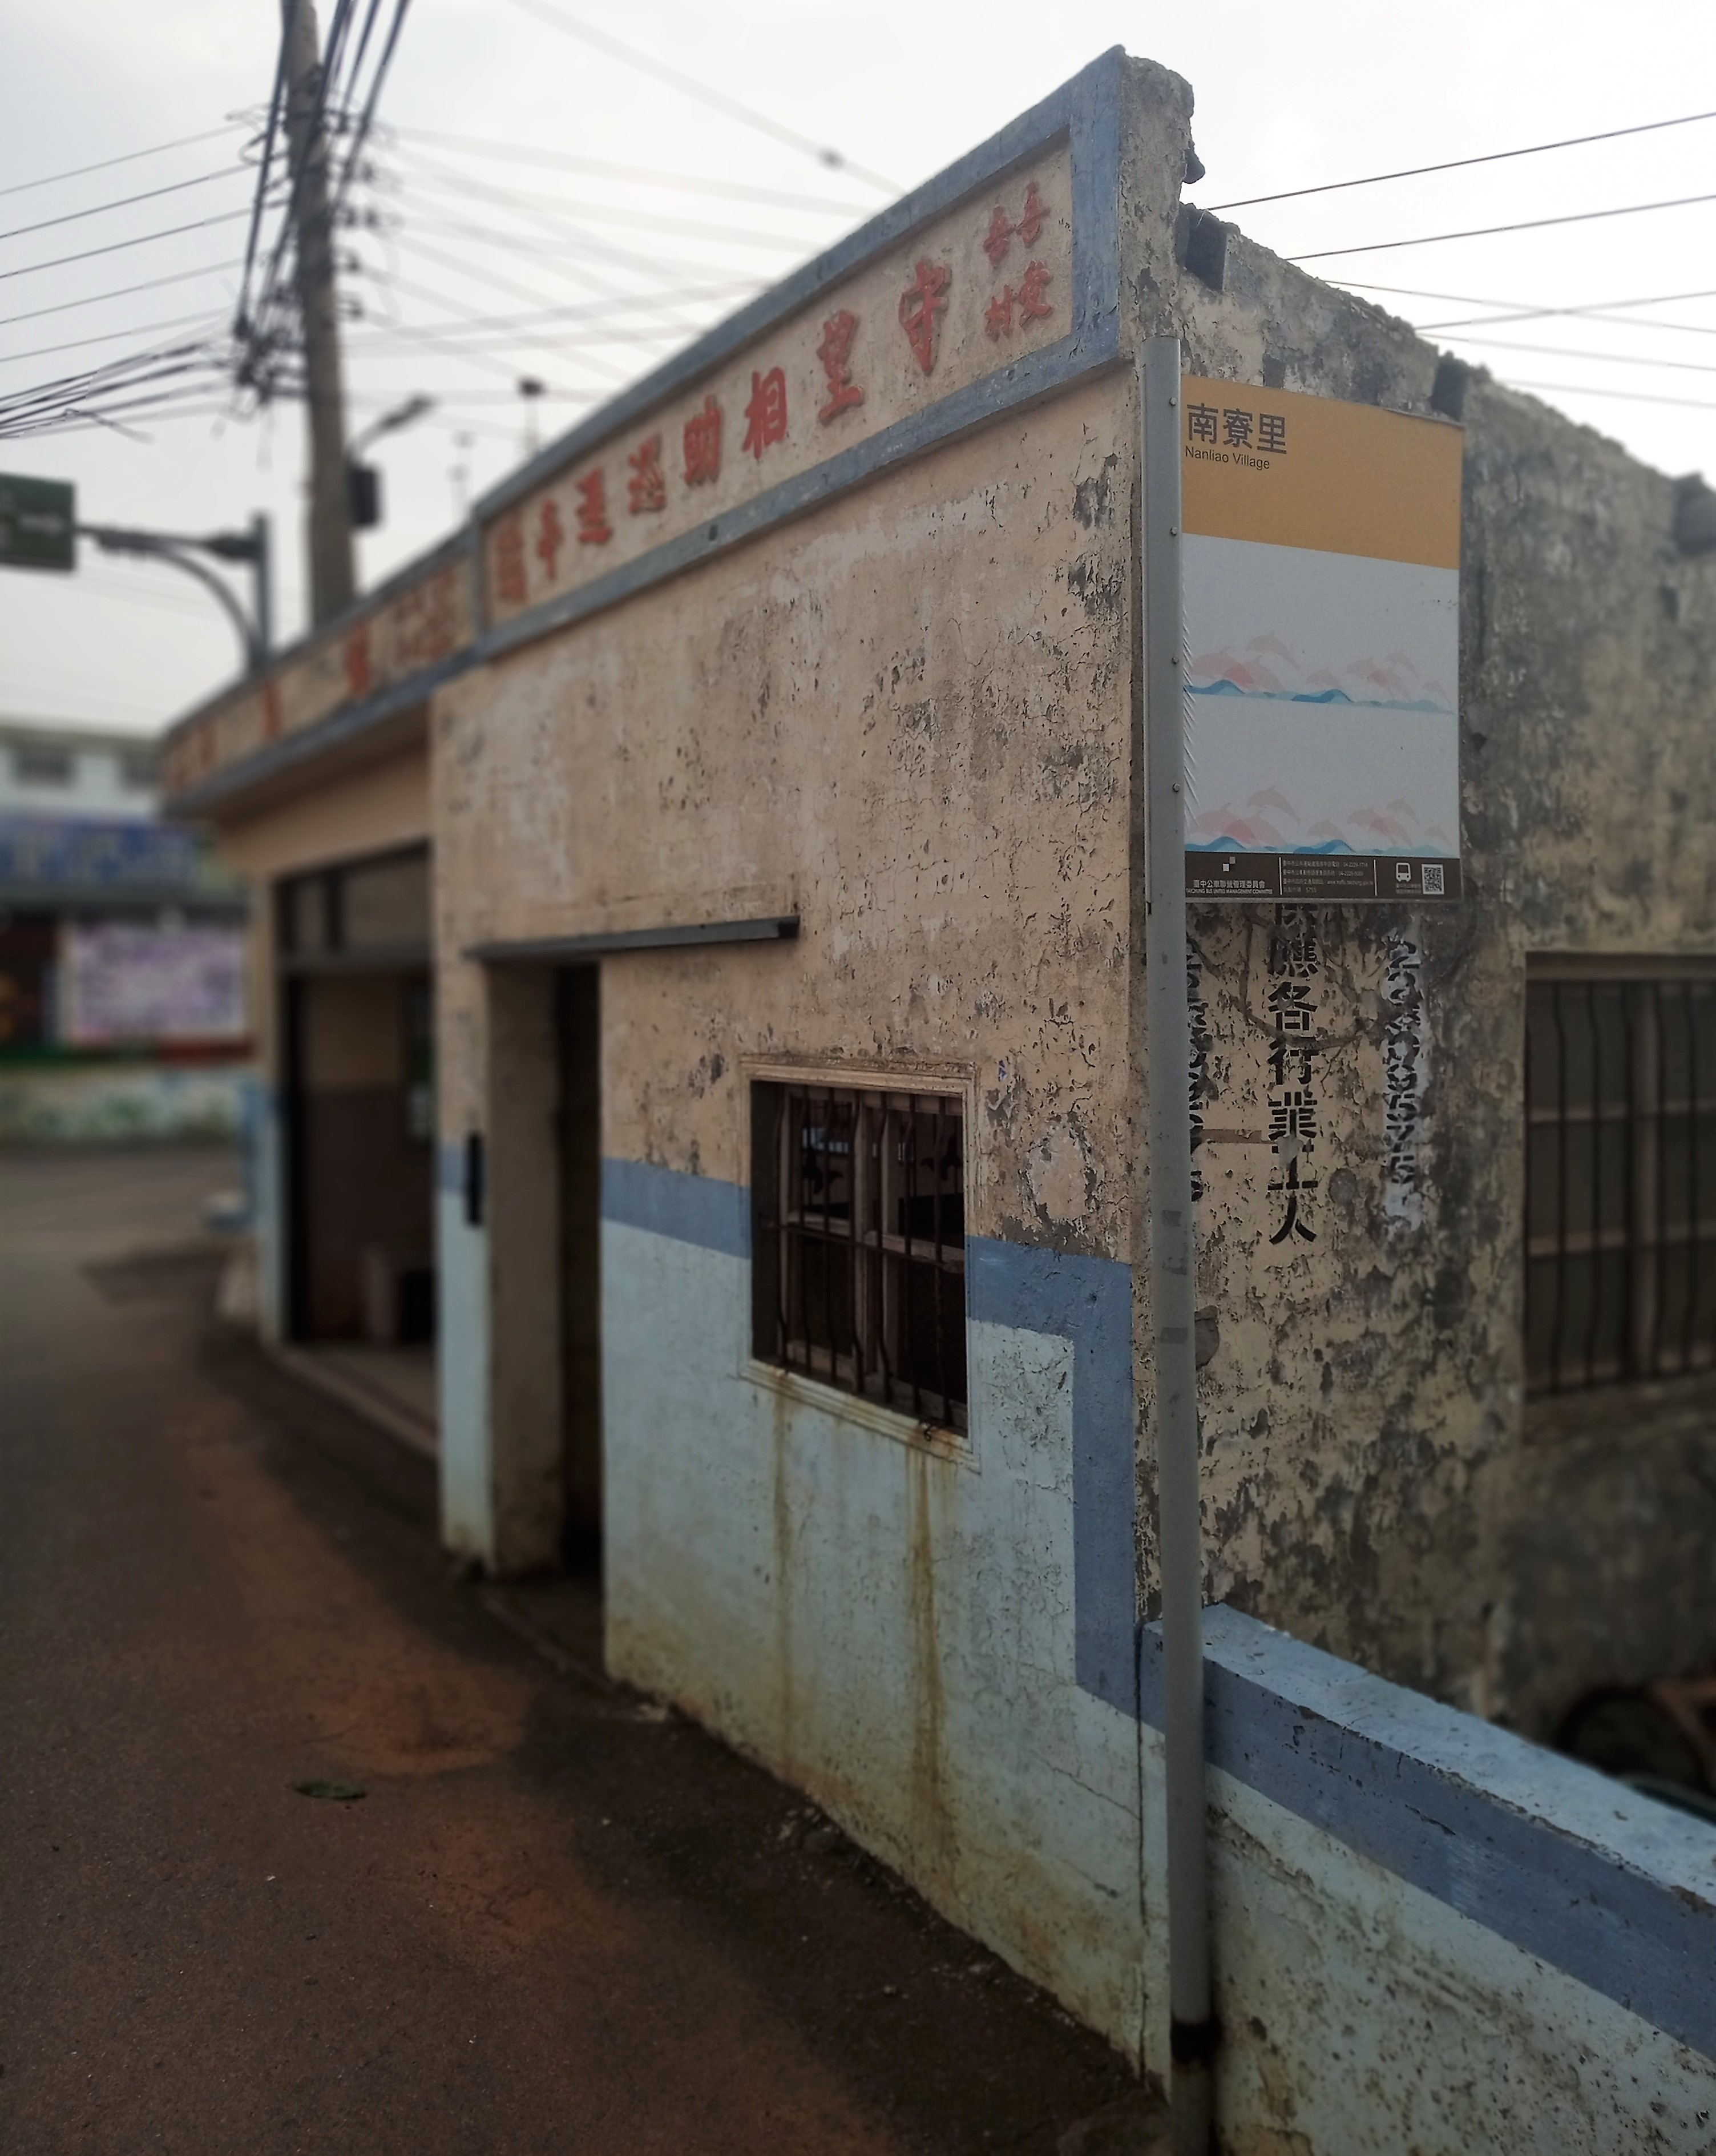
<point>578,1023</point>
<point>357,1010</point>
<point>360,1121</point>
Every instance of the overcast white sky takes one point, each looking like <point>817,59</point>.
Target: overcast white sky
<point>1287,96</point>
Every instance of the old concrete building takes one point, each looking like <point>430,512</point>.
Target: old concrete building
<point>775,736</point>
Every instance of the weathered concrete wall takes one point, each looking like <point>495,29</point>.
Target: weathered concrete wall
<point>908,719</point>
<point>1375,1482</point>
<point>1431,1935</point>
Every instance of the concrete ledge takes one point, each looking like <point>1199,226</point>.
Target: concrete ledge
<point>1615,1890</point>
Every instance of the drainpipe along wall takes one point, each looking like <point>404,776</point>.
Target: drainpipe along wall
<point>1171,1257</point>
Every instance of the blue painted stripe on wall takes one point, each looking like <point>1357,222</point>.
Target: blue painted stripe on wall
<point>691,1209</point>
<point>1523,1860</point>
<point>1088,1302</point>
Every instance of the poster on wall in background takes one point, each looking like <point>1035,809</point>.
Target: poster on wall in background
<point>1321,568</point>
<point>123,981</point>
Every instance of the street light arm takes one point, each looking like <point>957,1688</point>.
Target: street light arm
<point>115,539</point>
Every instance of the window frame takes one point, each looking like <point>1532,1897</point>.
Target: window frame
<point>953,1084</point>
<point>1626,1334</point>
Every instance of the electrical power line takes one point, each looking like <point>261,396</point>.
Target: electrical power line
<point>112,336</point>
<point>580,271</point>
<point>130,157</point>
<point>716,100</point>
<point>124,202</point>
<point>1459,164</point>
<point>781,242</point>
<point>642,176</point>
<point>1467,300</point>
<point>1489,231</point>
<point>1625,396</point>
<point>579,310</point>
<point>510,198</point>
<point>119,292</point>
<point>1607,358</point>
<point>117,246</point>
<point>271,128</point>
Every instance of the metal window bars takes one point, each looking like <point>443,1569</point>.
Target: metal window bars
<point>865,1207</point>
<point>1620,1180</point>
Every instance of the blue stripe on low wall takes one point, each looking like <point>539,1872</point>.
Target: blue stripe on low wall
<point>1088,1302</point>
<point>691,1209</point>
<point>1617,1891</point>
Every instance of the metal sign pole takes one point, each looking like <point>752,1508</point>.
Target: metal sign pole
<point>1172,1286</point>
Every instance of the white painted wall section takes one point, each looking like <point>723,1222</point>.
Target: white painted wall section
<point>889,1629</point>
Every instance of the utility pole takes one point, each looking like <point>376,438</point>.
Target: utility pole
<point>333,583</point>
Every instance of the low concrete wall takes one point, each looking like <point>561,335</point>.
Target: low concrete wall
<point>89,1104</point>
<point>1431,1935</point>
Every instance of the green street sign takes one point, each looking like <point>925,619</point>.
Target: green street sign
<point>37,523</point>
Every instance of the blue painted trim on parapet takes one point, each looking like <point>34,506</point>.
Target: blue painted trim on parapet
<point>1033,376</point>
<point>1087,109</point>
<point>691,1209</point>
<point>339,726</point>
<point>1088,1302</point>
<point>441,556</point>
<point>1615,1890</point>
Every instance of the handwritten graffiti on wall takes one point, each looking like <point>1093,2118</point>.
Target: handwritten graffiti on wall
<point>1404,1075</point>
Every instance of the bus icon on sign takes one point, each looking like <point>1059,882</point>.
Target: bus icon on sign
<point>1403,871</point>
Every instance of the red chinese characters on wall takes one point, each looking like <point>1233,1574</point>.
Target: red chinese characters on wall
<point>922,300</point>
<point>1027,301</point>
<point>551,537</point>
<point>1030,301</point>
<point>594,529</point>
<point>835,353</point>
<point>647,488</point>
<point>1002,231</point>
<point>359,671</point>
<point>425,622</point>
<point>765,415</point>
<point>511,583</point>
<point>703,444</point>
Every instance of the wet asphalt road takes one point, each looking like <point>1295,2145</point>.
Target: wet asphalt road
<point>558,1919</point>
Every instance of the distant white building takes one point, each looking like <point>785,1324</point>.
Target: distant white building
<point>48,769</point>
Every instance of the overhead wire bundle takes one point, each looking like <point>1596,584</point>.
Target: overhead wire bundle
<point>468,271</point>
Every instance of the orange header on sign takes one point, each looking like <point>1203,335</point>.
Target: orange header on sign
<point>1288,470</point>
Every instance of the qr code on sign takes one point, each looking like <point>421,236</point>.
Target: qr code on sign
<point>1432,880</point>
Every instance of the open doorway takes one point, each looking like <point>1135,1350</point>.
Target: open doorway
<point>578,1029</point>
<point>358,1065</point>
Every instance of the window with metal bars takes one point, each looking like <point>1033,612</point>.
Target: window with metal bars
<point>1620,1176</point>
<point>859,1248</point>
